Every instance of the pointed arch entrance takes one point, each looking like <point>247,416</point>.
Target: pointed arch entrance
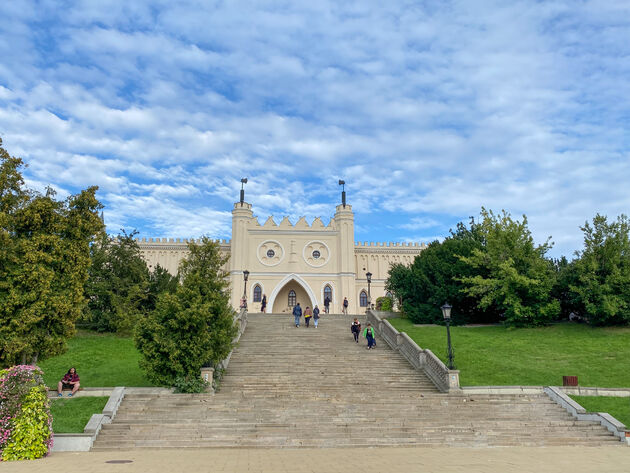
<point>292,289</point>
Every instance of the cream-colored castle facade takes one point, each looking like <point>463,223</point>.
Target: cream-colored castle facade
<point>290,263</point>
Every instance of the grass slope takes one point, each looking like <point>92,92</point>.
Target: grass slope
<point>71,414</point>
<point>498,355</point>
<point>101,360</point>
<point>618,407</point>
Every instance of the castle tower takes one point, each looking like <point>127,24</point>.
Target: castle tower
<point>344,224</point>
<point>242,216</point>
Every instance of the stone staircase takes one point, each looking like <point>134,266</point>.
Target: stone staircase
<point>298,387</point>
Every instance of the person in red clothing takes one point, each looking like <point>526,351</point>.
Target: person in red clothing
<point>69,381</point>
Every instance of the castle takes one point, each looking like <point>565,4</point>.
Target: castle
<point>295,263</point>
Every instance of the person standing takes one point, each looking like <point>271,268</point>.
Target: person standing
<point>345,306</point>
<point>263,304</point>
<point>297,313</point>
<point>368,333</point>
<point>308,313</point>
<point>326,304</point>
<point>355,328</point>
<point>315,316</point>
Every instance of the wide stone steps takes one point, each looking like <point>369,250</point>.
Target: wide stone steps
<point>293,387</point>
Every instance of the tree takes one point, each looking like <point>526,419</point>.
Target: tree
<point>160,280</point>
<point>192,327</point>
<point>44,258</point>
<point>435,278</point>
<point>601,287</point>
<point>515,277</point>
<point>118,285</point>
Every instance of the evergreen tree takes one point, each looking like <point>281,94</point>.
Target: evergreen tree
<point>192,327</point>
<point>118,285</point>
<point>44,259</point>
<point>160,280</point>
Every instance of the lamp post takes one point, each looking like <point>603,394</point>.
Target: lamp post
<point>368,276</point>
<point>245,276</point>
<point>446,312</point>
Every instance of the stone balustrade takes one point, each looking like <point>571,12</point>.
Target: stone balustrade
<point>421,359</point>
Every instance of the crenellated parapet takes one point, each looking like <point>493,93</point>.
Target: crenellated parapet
<point>168,252</point>
<point>301,224</point>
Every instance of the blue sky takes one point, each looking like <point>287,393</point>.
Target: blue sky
<point>428,110</point>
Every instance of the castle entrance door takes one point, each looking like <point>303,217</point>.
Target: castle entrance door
<point>289,295</point>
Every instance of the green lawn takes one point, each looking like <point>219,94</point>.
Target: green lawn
<point>71,414</point>
<point>618,407</point>
<point>101,360</point>
<point>499,355</point>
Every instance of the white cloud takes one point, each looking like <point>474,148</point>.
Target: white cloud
<point>429,111</point>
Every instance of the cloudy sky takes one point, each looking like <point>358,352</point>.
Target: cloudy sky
<point>428,110</point>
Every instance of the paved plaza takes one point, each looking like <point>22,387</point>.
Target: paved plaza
<point>364,460</point>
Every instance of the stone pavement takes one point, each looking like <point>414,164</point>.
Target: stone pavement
<point>364,460</point>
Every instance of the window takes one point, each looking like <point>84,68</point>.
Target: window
<point>316,254</point>
<point>292,298</point>
<point>328,292</point>
<point>257,293</point>
<point>363,300</point>
<point>271,253</point>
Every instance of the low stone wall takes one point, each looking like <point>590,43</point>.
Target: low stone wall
<point>577,411</point>
<point>421,359</point>
<point>82,442</point>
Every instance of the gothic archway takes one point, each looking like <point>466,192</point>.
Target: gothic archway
<point>302,293</point>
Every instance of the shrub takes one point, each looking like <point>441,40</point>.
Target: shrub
<point>190,384</point>
<point>384,303</point>
<point>25,420</point>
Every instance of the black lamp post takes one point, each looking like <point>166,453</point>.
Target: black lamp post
<point>245,277</point>
<point>446,312</point>
<point>368,276</point>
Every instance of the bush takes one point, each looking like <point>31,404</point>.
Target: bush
<point>190,384</point>
<point>384,303</point>
<point>25,420</point>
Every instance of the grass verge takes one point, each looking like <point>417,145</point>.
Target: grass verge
<point>498,355</point>
<point>101,360</point>
<point>618,407</point>
<point>71,415</point>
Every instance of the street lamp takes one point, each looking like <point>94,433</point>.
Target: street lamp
<point>368,276</point>
<point>446,312</point>
<point>245,276</point>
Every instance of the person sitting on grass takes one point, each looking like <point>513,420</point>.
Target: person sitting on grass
<point>69,381</point>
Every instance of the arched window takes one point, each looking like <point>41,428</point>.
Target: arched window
<point>328,292</point>
<point>292,298</point>
<point>363,302</point>
<point>257,293</point>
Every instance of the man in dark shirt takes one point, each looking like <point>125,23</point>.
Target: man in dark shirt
<point>69,381</point>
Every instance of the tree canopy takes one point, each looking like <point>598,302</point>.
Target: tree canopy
<point>118,286</point>
<point>600,288</point>
<point>44,260</point>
